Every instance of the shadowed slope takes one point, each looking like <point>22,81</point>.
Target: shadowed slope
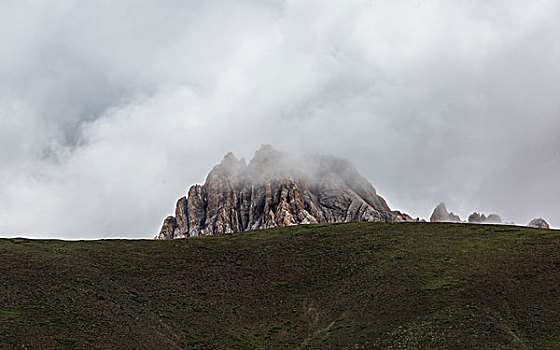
<point>335,286</point>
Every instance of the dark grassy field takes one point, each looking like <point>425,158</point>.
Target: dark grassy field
<point>342,286</point>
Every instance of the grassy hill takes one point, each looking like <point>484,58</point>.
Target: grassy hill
<point>338,286</point>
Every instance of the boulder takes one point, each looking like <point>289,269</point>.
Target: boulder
<point>538,223</point>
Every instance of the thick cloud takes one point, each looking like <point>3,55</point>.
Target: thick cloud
<point>110,110</point>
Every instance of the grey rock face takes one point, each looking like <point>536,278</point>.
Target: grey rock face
<point>538,223</point>
<point>477,218</point>
<point>440,214</point>
<point>494,219</point>
<point>404,217</point>
<point>276,189</point>
<point>169,228</point>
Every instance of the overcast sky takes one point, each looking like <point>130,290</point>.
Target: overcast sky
<point>110,110</point>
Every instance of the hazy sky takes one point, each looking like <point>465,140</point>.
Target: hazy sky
<point>110,110</point>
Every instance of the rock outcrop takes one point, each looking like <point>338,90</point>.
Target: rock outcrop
<point>538,223</point>
<point>276,189</point>
<point>477,218</point>
<point>440,214</point>
<point>404,217</point>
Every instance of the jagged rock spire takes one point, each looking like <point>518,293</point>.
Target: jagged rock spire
<point>440,214</point>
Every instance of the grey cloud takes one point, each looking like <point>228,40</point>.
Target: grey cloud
<point>110,111</point>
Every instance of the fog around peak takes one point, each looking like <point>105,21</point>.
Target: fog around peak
<point>110,111</point>
<point>269,163</point>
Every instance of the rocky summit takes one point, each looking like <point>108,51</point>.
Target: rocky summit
<point>440,214</point>
<point>277,189</point>
<point>477,218</point>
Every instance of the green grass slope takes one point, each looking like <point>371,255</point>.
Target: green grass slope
<point>341,286</point>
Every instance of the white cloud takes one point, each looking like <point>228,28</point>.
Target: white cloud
<point>110,111</point>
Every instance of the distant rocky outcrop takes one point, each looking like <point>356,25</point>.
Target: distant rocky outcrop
<point>538,223</point>
<point>276,189</point>
<point>477,218</point>
<point>440,214</point>
<point>404,217</point>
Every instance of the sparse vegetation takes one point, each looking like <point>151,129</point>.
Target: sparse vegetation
<point>280,284</point>
<point>274,330</point>
<point>339,286</point>
<point>188,340</point>
<point>66,341</point>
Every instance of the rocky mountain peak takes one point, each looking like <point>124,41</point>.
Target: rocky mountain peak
<point>229,167</point>
<point>276,189</point>
<point>440,214</point>
<point>266,153</point>
<point>230,162</point>
<point>477,218</point>
<point>269,163</point>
